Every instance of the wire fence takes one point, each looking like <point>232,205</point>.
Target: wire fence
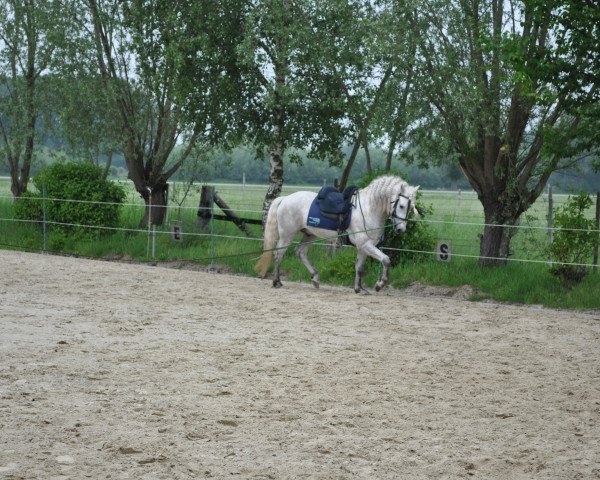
<point>456,223</point>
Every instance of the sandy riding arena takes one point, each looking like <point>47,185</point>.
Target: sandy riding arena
<point>122,371</point>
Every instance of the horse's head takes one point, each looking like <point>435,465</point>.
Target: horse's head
<point>402,205</point>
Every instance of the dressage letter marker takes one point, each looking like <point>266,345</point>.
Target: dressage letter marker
<point>176,232</point>
<point>442,251</point>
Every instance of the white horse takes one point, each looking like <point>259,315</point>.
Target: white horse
<point>385,197</point>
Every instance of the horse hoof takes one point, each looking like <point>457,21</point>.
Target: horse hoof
<point>277,284</point>
<point>315,284</point>
<point>315,281</point>
<point>362,291</point>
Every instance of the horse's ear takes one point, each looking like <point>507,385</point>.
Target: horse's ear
<point>417,187</point>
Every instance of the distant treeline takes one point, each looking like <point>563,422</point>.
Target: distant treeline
<point>244,163</point>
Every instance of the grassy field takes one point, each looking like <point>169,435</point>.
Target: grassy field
<point>456,219</point>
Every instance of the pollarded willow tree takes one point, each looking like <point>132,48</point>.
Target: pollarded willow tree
<point>489,71</point>
<point>143,50</point>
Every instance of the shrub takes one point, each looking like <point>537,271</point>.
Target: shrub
<point>76,193</point>
<point>341,268</point>
<point>574,243</point>
<point>29,207</point>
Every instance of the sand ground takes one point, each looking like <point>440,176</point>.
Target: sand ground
<point>121,371</point>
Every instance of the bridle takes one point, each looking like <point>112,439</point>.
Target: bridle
<point>395,205</point>
<point>393,212</point>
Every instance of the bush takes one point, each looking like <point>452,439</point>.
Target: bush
<point>574,244</point>
<point>341,268</point>
<point>76,193</point>
<point>29,207</point>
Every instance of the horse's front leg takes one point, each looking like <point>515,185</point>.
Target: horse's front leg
<point>372,251</point>
<point>361,256</point>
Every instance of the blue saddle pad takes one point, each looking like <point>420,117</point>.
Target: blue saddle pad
<point>317,219</point>
<point>331,209</point>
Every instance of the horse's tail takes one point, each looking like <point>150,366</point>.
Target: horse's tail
<point>271,237</point>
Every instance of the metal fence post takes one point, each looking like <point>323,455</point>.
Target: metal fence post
<point>212,228</point>
<point>550,221</point>
<point>597,233</point>
<point>153,241</point>
<point>149,221</point>
<point>457,204</point>
<point>44,217</point>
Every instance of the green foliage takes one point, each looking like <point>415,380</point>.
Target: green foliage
<point>515,282</point>
<point>28,207</point>
<point>341,268</point>
<point>97,201</point>
<point>574,243</point>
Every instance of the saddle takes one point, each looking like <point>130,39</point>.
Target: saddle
<point>333,203</point>
<point>332,209</point>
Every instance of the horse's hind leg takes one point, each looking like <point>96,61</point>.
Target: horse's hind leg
<point>282,245</point>
<point>302,252</point>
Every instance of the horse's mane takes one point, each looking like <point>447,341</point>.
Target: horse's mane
<point>381,190</point>
<point>385,187</point>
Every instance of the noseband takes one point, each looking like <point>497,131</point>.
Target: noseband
<point>395,205</point>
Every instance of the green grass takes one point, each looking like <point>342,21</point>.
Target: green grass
<point>515,283</point>
<point>526,283</point>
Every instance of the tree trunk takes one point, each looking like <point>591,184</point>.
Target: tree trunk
<point>350,164</point>
<point>367,156</point>
<point>108,164</point>
<point>17,184</point>
<point>390,151</point>
<point>156,204</point>
<point>20,176</point>
<point>494,248</point>
<point>275,177</point>
<point>491,246</point>
<point>277,146</point>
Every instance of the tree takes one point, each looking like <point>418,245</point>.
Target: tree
<point>30,33</point>
<point>131,44</point>
<point>380,108</point>
<point>494,96</point>
<point>287,102</point>
<point>367,54</point>
<point>142,52</point>
<point>86,120</point>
